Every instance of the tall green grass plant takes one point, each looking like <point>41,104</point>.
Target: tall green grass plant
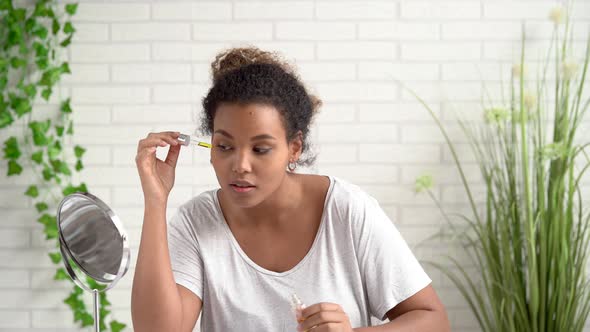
<point>529,239</point>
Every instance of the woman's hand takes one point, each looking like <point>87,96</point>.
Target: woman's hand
<point>157,176</point>
<point>324,317</point>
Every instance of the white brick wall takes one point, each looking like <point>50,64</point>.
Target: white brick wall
<point>143,66</point>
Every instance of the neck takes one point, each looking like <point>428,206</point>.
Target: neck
<point>275,210</point>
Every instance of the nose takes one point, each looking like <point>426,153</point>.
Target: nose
<point>242,163</point>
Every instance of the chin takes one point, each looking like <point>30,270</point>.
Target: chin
<point>242,200</point>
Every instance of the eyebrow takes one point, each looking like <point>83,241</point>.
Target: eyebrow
<point>254,138</point>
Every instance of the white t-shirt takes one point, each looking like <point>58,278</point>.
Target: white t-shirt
<point>358,260</point>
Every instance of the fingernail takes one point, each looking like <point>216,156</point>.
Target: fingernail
<point>298,313</point>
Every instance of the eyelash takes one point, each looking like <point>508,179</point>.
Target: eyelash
<point>224,148</point>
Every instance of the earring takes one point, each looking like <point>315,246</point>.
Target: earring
<point>292,165</point>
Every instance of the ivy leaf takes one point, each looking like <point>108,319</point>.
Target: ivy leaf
<point>37,157</point>
<point>94,284</point>
<point>54,151</point>
<point>59,130</point>
<point>55,26</point>
<point>41,207</point>
<point>23,49</point>
<point>47,173</point>
<point>50,77</point>
<point>32,191</point>
<point>79,165</point>
<point>60,167</point>
<point>66,41</point>
<point>40,49</point>
<point>15,35</point>
<point>71,8</point>
<point>117,326</point>
<point>23,107</point>
<point>30,90</point>
<point>51,232</point>
<point>103,314</point>
<point>5,117</point>
<point>74,302</point>
<point>39,130</point>
<point>3,82</point>
<point>79,151</point>
<point>16,62</point>
<point>61,274</point>
<point>40,9</point>
<point>66,107</point>
<point>70,130</point>
<point>11,150</point>
<point>46,219</point>
<point>55,257</point>
<point>87,319</point>
<point>65,68</point>
<point>20,105</point>
<point>69,190</point>
<point>5,4</point>
<point>103,300</point>
<point>46,93</point>
<point>30,24</point>
<point>42,63</point>
<point>14,168</point>
<point>69,28</point>
<point>40,32</point>
<point>20,14</point>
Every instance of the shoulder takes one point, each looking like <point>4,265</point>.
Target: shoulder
<point>198,209</point>
<point>350,198</point>
<point>203,201</point>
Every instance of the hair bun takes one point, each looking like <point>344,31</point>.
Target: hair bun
<point>235,58</point>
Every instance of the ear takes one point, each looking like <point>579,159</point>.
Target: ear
<point>296,146</point>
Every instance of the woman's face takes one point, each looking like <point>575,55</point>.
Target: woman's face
<point>250,152</point>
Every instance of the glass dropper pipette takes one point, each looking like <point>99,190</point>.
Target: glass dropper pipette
<point>187,140</point>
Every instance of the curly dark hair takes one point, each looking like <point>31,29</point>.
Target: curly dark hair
<point>249,75</point>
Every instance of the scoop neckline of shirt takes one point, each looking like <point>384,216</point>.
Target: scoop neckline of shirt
<point>253,264</point>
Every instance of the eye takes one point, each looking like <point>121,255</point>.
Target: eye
<point>223,147</point>
<point>262,150</point>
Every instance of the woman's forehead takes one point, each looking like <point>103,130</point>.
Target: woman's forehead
<point>248,120</point>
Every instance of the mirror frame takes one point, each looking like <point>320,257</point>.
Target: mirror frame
<point>67,254</point>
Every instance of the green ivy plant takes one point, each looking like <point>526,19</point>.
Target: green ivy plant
<point>31,38</point>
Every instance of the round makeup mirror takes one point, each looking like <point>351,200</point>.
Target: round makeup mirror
<point>93,244</point>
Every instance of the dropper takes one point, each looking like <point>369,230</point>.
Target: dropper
<point>186,140</point>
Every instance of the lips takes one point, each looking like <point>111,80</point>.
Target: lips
<point>242,184</point>
<point>242,187</point>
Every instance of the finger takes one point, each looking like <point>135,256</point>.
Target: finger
<point>171,137</point>
<point>326,327</point>
<point>155,142</point>
<point>156,139</point>
<point>323,317</point>
<point>145,156</point>
<point>173,134</point>
<point>322,306</point>
<point>172,156</point>
<point>145,152</point>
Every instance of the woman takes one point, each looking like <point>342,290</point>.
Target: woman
<point>236,254</point>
